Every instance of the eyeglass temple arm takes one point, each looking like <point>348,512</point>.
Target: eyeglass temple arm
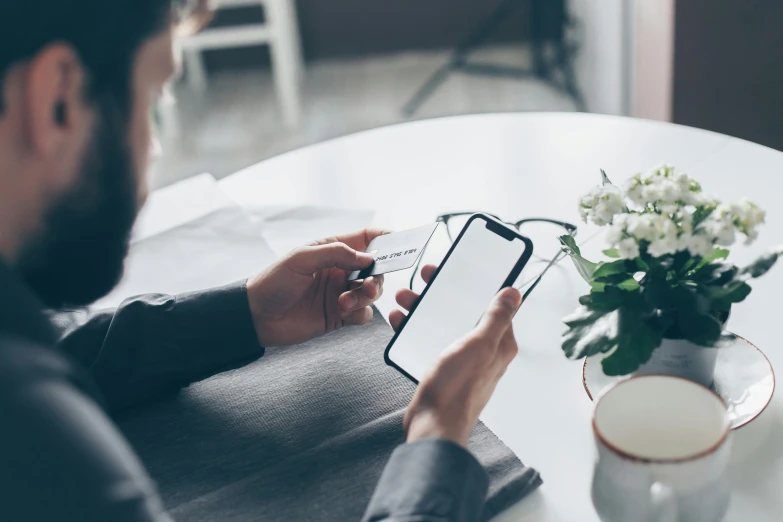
<point>552,262</point>
<point>445,217</point>
<point>564,224</point>
<point>413,274</point>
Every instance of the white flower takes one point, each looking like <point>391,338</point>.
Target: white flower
<point>663,246</point>
<point>652,193</point>
<point>602,214</point>
<point>721,230</point>
<point>683,182</point>
<point>634,190</point>
<point>644,226</point>
<point>748,211</point>
<point>668,208</point>
<point>748,216</point>
<point>699,245</point>
<point>621,220</point>
<point>602,203</point>
<point>686,221</point>
<point>616,230</point>
<point>614,234</point>
<point>670,191</point>
<point>751,234</point>
<point>628,248</point>
<point>700,199</point>
<point>667,237</point>
<point>664,187</point>
<point>722,212</point>
<point>668,227</point>
<point>655,173</point>
<point>657,209</point>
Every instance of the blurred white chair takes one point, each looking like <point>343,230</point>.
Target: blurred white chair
<point>280,31</point>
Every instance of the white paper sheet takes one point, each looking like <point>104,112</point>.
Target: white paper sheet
<point>179,203</point>
<point>287,227</point>
<point>213,250</point>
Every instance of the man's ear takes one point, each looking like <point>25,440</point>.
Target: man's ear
<point>55,110</point>
<point>60,118</point>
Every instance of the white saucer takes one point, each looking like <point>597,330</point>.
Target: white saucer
<point>744,378</point>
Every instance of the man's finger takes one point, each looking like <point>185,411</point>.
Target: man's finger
<point>310,259</point>
<point>369,292</point>
<point>427,271</point>
<point>357,240</point>
<point>497,319</point>
<point>395,319</point>
<point>406,298</point>
<point>360,316</point>
<point>508,348</point>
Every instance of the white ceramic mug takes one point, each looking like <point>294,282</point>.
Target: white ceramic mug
<point>663,450</point>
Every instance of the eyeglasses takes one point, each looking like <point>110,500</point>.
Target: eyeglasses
<point>543,232</point>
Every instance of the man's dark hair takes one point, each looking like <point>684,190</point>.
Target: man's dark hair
<point>106,34</point>
<point>79,254</point>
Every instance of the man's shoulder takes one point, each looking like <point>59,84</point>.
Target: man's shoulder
<point>23,361</point>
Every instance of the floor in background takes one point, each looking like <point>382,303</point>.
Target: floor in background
<point>236,123</point>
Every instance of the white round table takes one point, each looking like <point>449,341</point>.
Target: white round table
<point>539,164</point>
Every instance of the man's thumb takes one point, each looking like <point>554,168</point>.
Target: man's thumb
<point>312,258</point>
<point>501,310</point>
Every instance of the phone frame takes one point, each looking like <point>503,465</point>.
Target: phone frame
<point>494,226</point>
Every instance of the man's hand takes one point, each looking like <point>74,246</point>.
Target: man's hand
<point>456,389</point>
<point>306,294</point>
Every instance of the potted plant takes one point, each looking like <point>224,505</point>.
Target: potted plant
<point>660,303</point>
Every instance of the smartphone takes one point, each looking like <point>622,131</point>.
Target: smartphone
<point>486,257</point>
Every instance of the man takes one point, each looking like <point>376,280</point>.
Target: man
<point>78,82</point>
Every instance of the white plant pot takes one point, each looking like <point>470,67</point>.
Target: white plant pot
<point>682,359</point>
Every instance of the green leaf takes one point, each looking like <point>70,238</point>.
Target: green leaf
<point>615,279</point>
<point>616,322</point>
<point>582,316</point>
<point>702,213</point>
<point>716,274</point>
<point>596,286</point>
<point>719,292</point>
<point>739,295</point>
<point>760,267</point>
<point>658,293</point>
<point>717,254</point>
<point>612,252</point>
<point>622,266</point>
<point>583,266</point>
<point>637,337</point>
<point>677,262</point>
<point>621,361</point>
<point>694,319</point>
<point>703,330</point>
<point>686,298</point>
<point>589,332</point>
<point>628,285</point>
<point>569,242</point>
<point>641,265</point>
<point>735,296</point>
<point>609,300</point>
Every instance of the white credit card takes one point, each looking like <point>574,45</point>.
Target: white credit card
<point>395,251</point>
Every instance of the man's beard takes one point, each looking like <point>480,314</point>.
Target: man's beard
<point>80,253</point>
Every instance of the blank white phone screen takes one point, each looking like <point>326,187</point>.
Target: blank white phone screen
<point>455,301</point>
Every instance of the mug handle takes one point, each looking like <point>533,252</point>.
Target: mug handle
<point>664,502</point>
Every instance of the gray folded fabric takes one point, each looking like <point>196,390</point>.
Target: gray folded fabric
<point>301,434</point>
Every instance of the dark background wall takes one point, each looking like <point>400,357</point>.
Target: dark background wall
<point>728,68</point>
<point>346,28</point>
